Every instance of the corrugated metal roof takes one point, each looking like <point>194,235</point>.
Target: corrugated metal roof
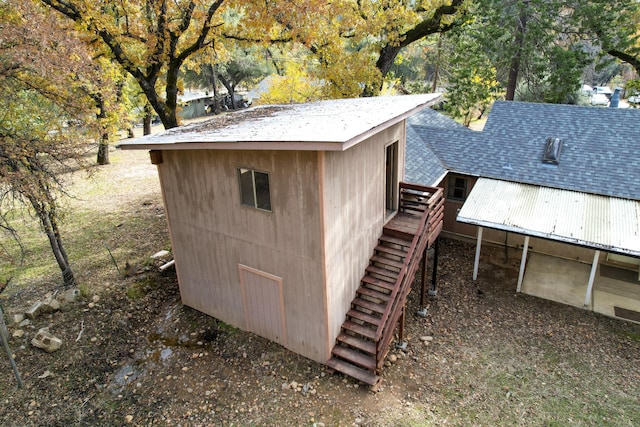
<point>601,222</point>
<point>330,125</point>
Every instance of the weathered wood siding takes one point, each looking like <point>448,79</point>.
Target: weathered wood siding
<point>354,213</point>
<point>212,234</point>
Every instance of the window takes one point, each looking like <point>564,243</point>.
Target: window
<point>254,189</point>
<point>457,189</point>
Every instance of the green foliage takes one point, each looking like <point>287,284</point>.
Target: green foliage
<point>472,84</point>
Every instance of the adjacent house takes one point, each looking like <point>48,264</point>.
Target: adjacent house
<point>558,182</point>
<point>293,222</point>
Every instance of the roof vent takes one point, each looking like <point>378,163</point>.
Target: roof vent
<point>552,151</point>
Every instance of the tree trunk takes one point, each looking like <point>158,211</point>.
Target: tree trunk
<point>217,109</point>
<point>146,120</point>
<point>103,145</point>
<point>229,87</point>
<point>48,219</point>
<point>103,150</point>
<point>514,69</point>
<point>436,72</point>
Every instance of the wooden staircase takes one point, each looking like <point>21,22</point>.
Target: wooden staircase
<point>363,342</point>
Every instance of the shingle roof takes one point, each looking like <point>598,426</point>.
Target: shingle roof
<point>422,164</point>
<point>599,153</point>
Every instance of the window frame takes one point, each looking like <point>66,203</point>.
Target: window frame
<point>255,200</point>
<point>451,188</point>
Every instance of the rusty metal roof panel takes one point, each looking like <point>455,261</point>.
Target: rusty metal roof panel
<point>600,222</point>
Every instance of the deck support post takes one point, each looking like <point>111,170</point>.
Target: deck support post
<point>401,344</point>
<point>523,262</point>
<point>422,312</point>
<point>592,276</point>
<point>477,259</point>
<point>433,291</point>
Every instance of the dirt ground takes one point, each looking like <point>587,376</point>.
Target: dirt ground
<point>132,354</point>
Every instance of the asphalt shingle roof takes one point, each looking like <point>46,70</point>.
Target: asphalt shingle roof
<point>422,164</point>
<point>599,153</point>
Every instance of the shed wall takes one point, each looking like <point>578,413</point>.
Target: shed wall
<point>354,214</point>
<point>212,234</point>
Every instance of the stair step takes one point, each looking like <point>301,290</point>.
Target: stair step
<point>362,290</point>
<point>357,314</point>
<point>395,240</point>
<point>353,371</point>
<point>379,283</point>
<point>359,329</point>
<point>378,308</point>
<point>357,342</point>
<point>387,261</point>
<point>391,251</point>
<point>383,272</point>
<point>355,357</point>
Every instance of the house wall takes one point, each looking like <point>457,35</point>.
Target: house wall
<point>213,234</point>
<point>354,213</point>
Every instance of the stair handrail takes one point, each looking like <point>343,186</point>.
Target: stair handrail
<point>391,313</point>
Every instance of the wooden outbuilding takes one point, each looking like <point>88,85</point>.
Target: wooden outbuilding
<point>293,222</point>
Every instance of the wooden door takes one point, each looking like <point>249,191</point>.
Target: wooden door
<point>263,302</point>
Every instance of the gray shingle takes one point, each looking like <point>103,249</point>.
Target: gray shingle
<point>599,153</point>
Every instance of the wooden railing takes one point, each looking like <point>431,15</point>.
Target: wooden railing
<point>429,203</point>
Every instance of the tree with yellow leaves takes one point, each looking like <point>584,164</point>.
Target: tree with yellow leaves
<point>43,98</point>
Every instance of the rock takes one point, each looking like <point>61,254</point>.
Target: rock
<point>46,341</point>
<point>17,318</point>
<point>68,296</point>
<point>18,333</point>
<point>387,363</point>
<point>426,338</point>
<point>25,322</point>
<point>34,311</point>
<point>286,386</point>
<point>160,254</point>
<point>128,419</point>
<point>95,298</point>
<point>45,374</point>
<point>393,358</point>
<point>51,304</point>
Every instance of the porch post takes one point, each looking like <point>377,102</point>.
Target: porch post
<point>592,276</point>
<point>523,261</point>
<point>433,291</point>
<point>422,311</point>
<point>401,344</point>
<point>477,260</point>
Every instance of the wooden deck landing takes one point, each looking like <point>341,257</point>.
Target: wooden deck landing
<point>403,225</point>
